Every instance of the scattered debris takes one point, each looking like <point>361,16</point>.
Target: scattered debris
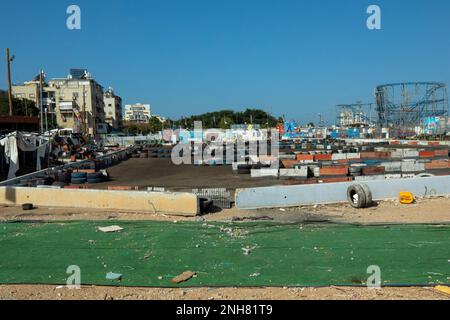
<point>110,229</point>
<point>184,276</point>
<point>247,250</point>
<point>406,197</point>
<point>113,276</point>
<point>443,289</point>
<point>235,233</point>
<point>262,218</point>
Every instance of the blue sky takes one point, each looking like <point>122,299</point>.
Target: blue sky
<point>297,58</point>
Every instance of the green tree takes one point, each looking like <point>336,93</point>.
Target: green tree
<point>225,118</point>
<point>154,125</point>
<point>21,107</point>
<point>225,122</point>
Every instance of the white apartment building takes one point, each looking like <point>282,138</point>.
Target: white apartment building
<point>137,112</point>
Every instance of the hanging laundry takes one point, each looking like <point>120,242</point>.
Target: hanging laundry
<point>11,153</point>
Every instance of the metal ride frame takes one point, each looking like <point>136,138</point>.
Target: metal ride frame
<point>355,115</point>
<point>403,106</point>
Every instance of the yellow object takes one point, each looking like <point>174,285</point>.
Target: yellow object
<point>442,289</point>
<point>406,198</point>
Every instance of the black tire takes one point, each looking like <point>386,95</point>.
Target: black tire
<point>257,166</point>
<point>206,205</point>
<point>243,171</point>
<point>368,194</point>
<point>78,180</point>
<point>62,176</point>
<point>78,175</point>
<point>93,181</point>
<point>356,196</point>
<point>27,206</point>
<point>95,175</point>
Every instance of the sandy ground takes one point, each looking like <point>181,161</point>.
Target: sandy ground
<point>113,293</point>
<point>425,210</point>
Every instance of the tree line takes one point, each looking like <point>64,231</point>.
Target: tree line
<point>222,119</point>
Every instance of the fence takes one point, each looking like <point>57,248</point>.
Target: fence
<point>126,141</point>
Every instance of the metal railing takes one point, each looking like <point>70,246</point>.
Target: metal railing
<point>108,160</point>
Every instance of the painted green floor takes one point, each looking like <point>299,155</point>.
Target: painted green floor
<point>152,253</point>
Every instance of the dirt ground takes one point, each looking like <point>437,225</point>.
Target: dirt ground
<point>156,172</point>
<point>424,210</point>
<point>45,292</point>
<point>429,210</point>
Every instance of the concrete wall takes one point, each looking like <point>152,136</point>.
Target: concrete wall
<point>292,196</point>
<point>185,204</point>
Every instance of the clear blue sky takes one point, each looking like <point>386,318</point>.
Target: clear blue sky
<point>297,58</point>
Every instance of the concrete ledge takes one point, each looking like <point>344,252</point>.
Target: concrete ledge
<point>261,173</point>
<point>298,195</point>
<point>176,203</point>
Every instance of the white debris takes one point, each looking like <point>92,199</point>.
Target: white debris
<point>110,229</point>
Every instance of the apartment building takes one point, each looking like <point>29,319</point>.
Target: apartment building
<point>30,90</point>
<point>113,109</point>
<point>76,101</point>
<point>137,112</point>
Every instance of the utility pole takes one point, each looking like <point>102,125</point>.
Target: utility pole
<point>40,100</point>
<point>83,112</point>
<point>8,67</point>
<point>46,120</point>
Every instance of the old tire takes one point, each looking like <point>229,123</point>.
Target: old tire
<point>78,175</point>
<point>78,180</point>
<point>206,205</point>
<point>244,169</point>
<point>356,196</point>
<point>95,175</point>
<point>27,206</point>
<point>368,194</point>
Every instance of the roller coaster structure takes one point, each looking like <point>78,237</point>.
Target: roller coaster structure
<point>402,107</point>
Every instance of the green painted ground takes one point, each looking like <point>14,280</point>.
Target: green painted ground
<point>152,253</point>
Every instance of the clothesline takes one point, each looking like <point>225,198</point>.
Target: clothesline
<point>27,142</point>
